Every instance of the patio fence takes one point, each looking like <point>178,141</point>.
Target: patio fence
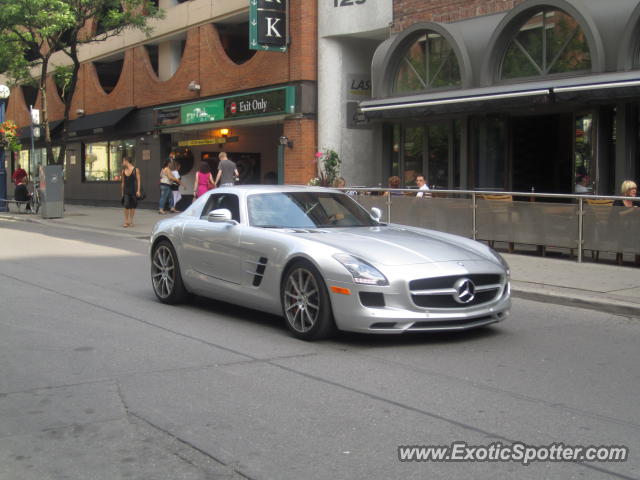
<point>574,222</point>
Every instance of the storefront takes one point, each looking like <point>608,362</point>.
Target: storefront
<point>250,127</point>
<point>544,97</point>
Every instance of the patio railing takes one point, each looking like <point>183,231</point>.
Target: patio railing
<point>574,222</point>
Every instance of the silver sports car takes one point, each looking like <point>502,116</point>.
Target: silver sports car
<point>319,259</point>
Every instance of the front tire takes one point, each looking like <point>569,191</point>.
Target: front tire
<point>305,302</point>
<point>165,274</point>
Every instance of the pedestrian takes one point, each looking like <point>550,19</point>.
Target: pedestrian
<point>394,182</point>
<point>175,186</point>
<point>227,171</point>
<point>19,175</point>
<point>166,179</point>
<point>130,188</point>
<point>204,180</point>
<point>422,186</point>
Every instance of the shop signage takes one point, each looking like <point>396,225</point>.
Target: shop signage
<point>268,25</point>
<point>277,101</point>
<point>355,118</point>
<point>168,116</point>
<point>207,141</point>
<point>359,87</point>
<point>202,112</point>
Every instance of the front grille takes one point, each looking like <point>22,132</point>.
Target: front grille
<point>439,292</point>
<point>447,301</point>
<point>447,282</point>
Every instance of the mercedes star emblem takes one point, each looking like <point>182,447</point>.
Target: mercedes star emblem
<point>465,290</point>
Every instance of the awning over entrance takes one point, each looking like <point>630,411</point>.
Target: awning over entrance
<point>24,133</point>
<point>97,123</point>
<point>583,89</point>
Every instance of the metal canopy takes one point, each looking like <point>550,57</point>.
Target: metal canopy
<point>584,88</point>
<point>98,121</point>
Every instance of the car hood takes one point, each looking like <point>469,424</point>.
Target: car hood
<point>390,245</point>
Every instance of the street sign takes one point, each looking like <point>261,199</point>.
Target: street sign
<point>269,25</point>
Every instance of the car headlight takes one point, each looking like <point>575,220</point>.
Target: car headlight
<point>502,261</point>
<point>361,271</point>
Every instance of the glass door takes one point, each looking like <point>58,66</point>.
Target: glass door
<point>584,164</point>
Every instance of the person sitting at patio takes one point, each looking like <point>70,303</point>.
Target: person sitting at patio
<point>629,188</point>
<point>394,182</point>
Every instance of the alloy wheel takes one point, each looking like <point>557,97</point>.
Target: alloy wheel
<point>301,300</point>
<point>163,271</point>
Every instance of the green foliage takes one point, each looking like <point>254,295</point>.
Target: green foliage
<point>63,77</point>
<point>31,31</point>
<point>330,169</point>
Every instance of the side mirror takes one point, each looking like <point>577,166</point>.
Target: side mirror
<point>221,215</point>
<point>376,213</point>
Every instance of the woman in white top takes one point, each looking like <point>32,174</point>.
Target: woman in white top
<point>166,178</point>
<point>175,187</point>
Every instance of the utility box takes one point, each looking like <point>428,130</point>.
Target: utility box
<point>51,191</point>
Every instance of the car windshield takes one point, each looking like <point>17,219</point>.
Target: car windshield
<point>306,210</point>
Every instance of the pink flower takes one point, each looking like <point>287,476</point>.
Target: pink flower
<point>318,154</point>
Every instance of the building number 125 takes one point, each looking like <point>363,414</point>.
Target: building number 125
<point>347,3</point>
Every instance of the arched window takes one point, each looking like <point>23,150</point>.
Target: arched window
<point>429,63</point>
<point>550,42</point>
<point>109,70</point>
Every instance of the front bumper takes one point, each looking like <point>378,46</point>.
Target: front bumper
<point>399,313</point>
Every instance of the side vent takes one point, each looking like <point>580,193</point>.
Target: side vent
<point>260,268</point>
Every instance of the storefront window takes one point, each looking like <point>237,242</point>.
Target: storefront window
<point>550,42</point>
<point>432,150</point>
<point>413,154</point>
<point>429,63</point>
<point>103,160</point>
<point>583,147</point>
<point>488,145</point>
<point>31,163</point>
<point>395,151</point>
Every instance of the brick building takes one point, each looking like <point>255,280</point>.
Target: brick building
<point>195,87</point>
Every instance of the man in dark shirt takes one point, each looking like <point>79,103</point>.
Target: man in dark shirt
<point>227,171</point>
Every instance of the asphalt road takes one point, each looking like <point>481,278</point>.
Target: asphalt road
<point>98,380</point>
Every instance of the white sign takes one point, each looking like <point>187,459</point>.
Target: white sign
<point>35,116</point>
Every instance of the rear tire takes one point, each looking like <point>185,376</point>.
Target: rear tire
<point>305,302</point>
<point>165,274</point>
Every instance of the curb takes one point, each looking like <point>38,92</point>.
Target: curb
<point>593,301</point>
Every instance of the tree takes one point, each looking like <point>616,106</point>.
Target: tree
<point>32,31</point>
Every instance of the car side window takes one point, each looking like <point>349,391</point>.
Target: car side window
<point>222,200</point>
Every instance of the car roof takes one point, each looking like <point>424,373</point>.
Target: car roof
<point>249,189</point>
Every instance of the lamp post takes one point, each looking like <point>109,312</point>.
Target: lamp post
<point>4,94</point>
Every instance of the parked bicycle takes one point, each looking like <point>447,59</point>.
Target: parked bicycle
<point>34,198</point>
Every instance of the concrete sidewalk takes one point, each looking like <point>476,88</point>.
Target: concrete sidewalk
<point>554,279</point>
